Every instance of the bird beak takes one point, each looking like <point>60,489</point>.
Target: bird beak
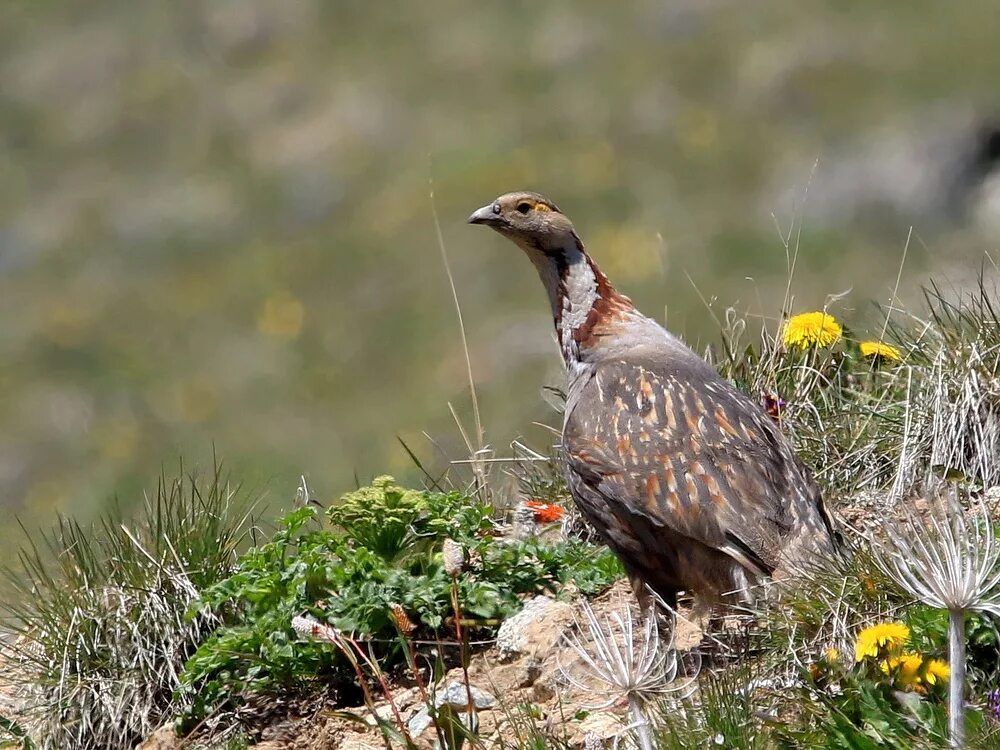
<point>484,215</point>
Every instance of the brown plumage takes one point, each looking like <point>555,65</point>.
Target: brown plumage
<point>686,479</point>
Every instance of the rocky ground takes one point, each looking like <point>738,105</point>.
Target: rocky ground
<point>533,673</point>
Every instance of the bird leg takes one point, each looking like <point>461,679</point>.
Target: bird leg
<point>651,604</point>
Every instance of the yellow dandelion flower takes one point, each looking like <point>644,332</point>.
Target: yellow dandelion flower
<point>905,668</point>
<point>831,656</point>
<point>880,350</point>
<point>936,671</point>
<point>885,635</point>
<point>811,329</point>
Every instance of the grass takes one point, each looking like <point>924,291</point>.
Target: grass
<point>98,617</point>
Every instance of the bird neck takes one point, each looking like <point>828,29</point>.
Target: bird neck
<point>584,303</point>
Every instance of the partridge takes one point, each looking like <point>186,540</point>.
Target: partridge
<point>687,479</point>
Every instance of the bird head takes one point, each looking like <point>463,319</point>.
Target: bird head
<point>529,219</point>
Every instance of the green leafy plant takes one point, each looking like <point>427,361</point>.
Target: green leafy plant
<point>382,554</point>
<point>391,521</point>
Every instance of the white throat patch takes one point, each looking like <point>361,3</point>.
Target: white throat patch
<point>571,296</point>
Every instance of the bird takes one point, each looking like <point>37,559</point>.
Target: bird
<point>683,476</point>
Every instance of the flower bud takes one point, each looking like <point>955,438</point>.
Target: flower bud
<point>454,557</point>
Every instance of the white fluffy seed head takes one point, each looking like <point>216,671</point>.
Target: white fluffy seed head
<point>950,561</point>
<point>454,557</point>
<point>624,655</point>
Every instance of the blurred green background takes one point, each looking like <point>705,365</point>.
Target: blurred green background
<point>216,225</point>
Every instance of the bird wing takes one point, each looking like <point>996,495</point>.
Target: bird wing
<point>701,460</point>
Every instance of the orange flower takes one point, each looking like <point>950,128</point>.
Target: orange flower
<point>545,512</point>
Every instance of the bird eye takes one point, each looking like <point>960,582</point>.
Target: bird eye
<point>524,207</point>
<point>496,208</point>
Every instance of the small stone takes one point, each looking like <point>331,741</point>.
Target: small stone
<point>419,722</point>
<point>164,738</point>
<point>456,695</point>
<point>532,671</point>
<point>602,726</point>
<point>382,713</point>
<point>537,626</point>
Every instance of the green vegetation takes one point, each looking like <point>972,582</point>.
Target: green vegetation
<point>385,551</point>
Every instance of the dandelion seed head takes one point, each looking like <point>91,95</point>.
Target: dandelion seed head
<point>950,562</point>
<point>626,658</point>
